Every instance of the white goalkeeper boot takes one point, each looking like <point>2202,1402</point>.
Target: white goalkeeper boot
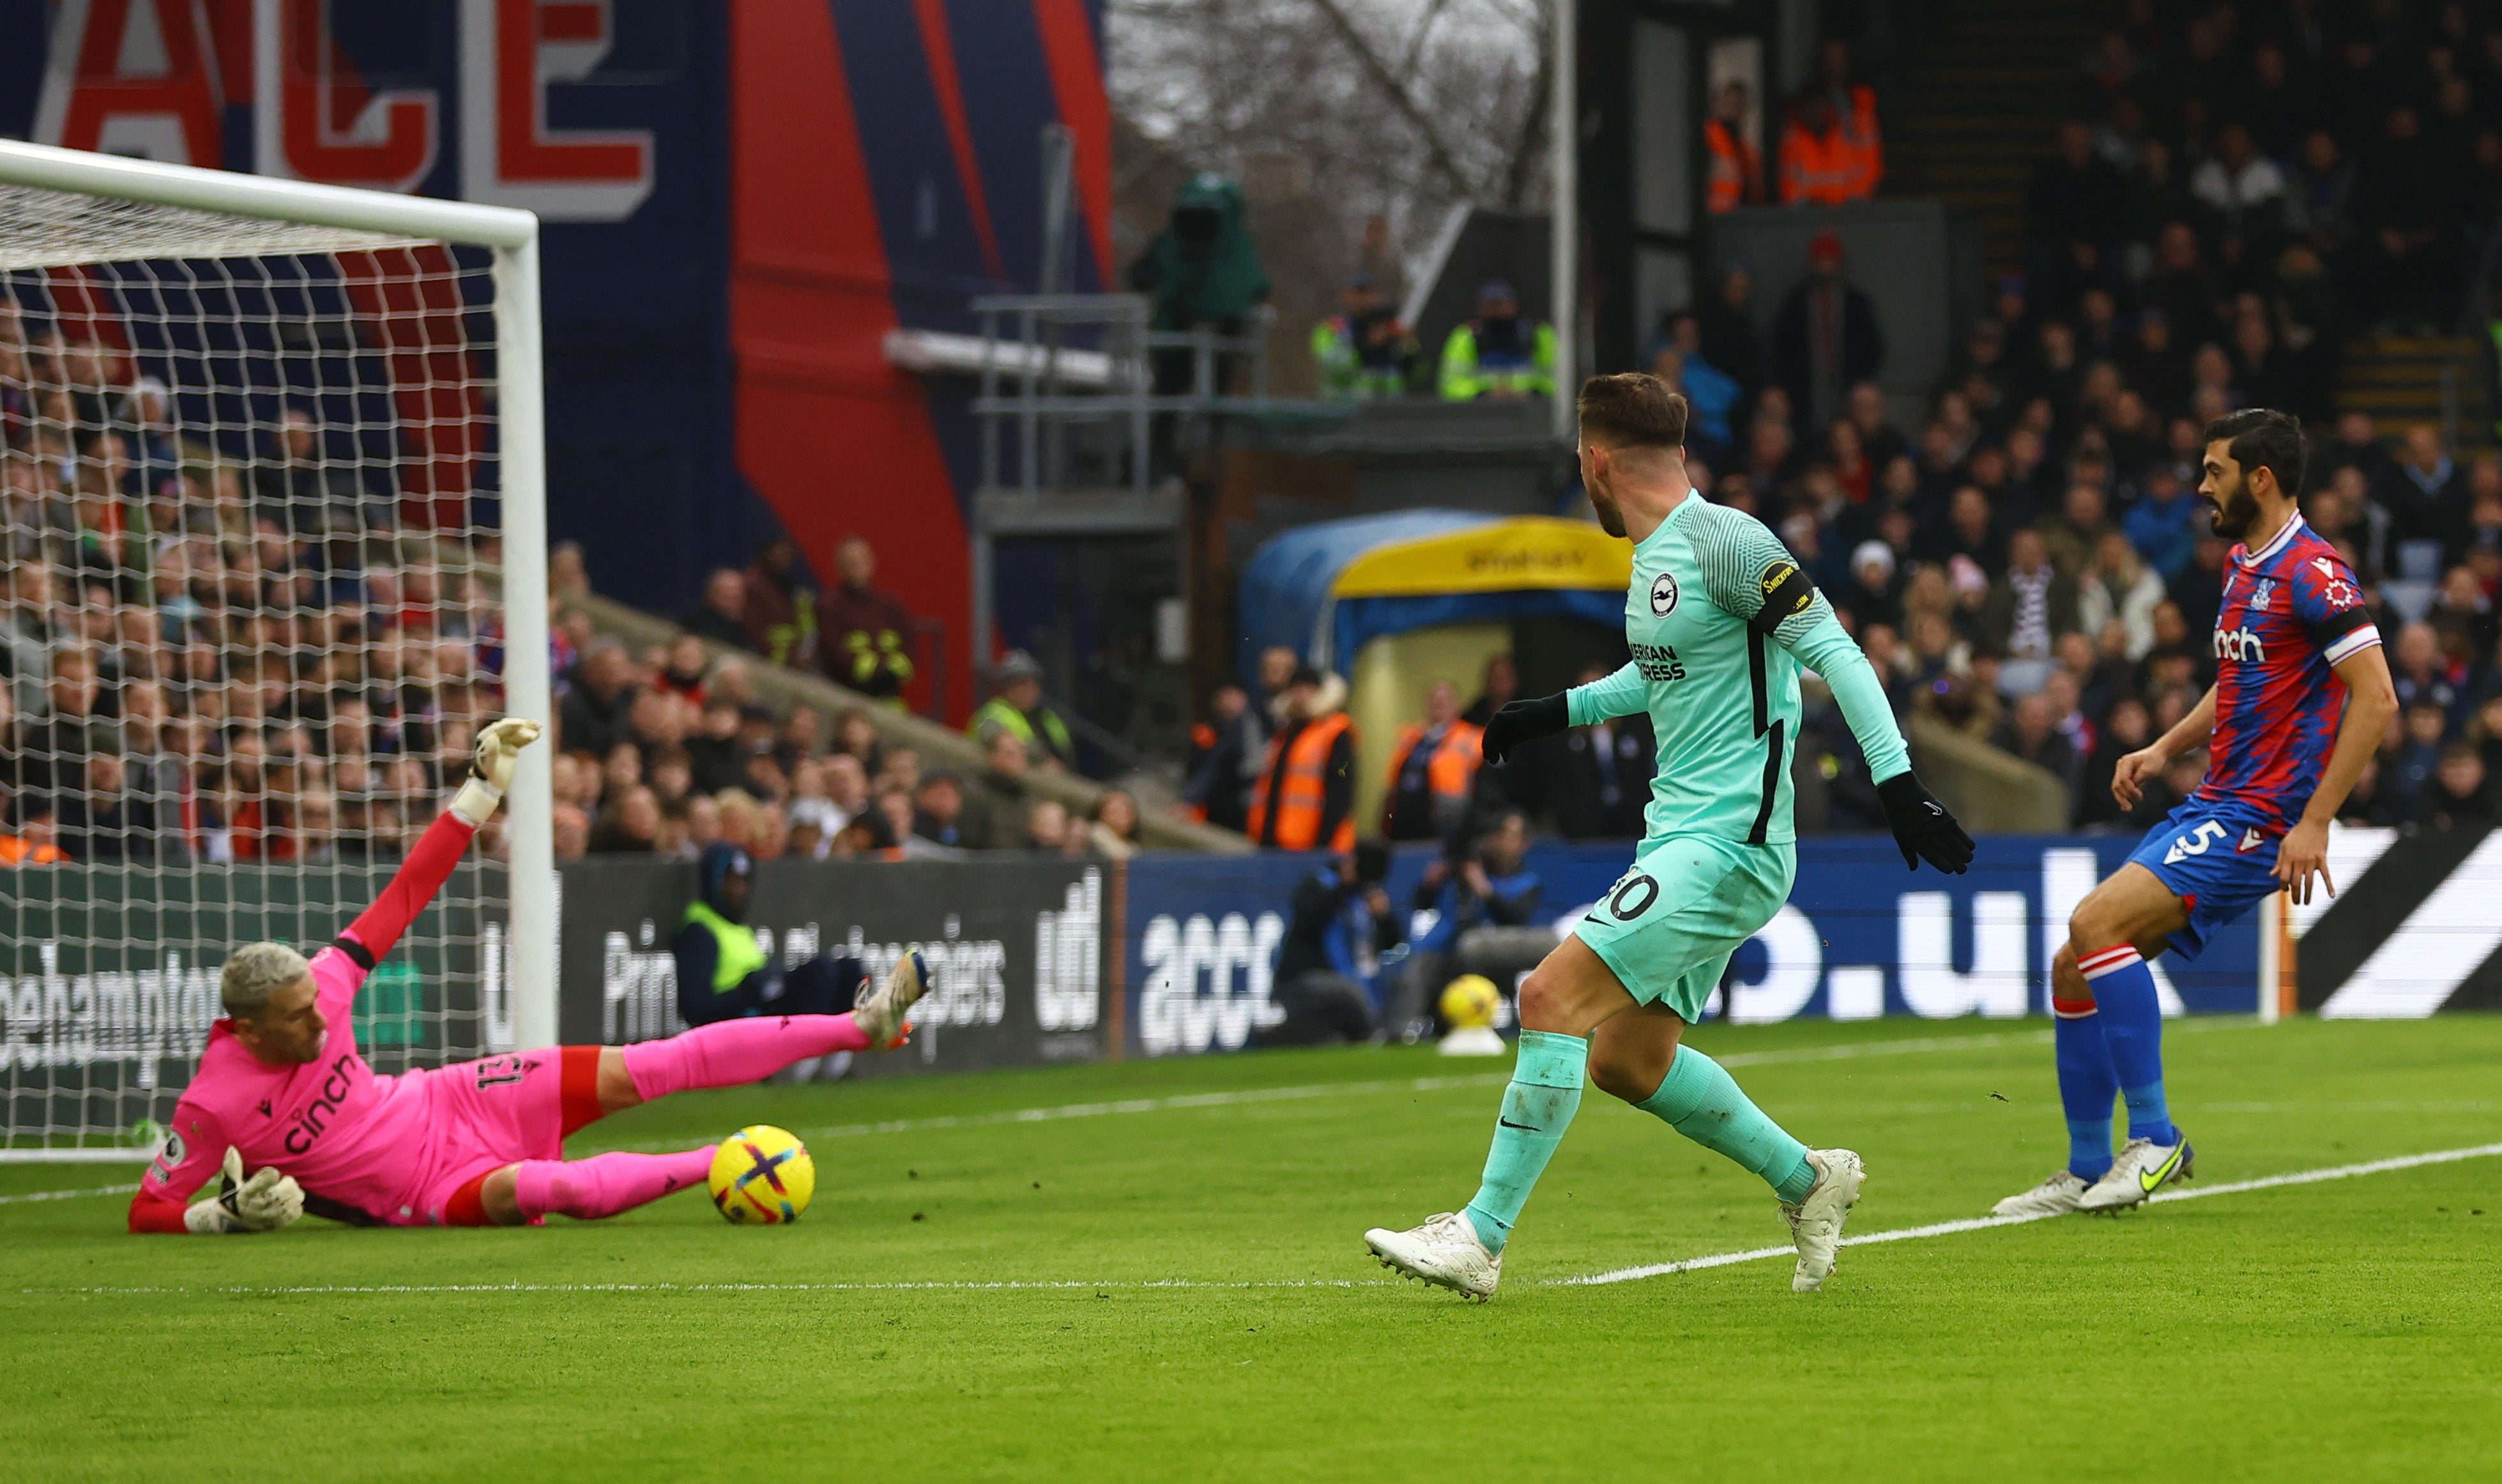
<point>880,1014</point>
<point>2056,1196</point>
<point>1815,1222</point>
<point>2144,1166</point>
<point>1444,1252</point>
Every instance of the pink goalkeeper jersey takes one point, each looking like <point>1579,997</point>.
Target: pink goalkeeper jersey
<point>348,1137</point>
<point>330,1123</point>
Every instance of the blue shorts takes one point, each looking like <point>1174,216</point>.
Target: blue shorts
<point>2219,857</point>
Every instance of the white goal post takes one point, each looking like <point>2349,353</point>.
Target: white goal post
<point>273,540</point>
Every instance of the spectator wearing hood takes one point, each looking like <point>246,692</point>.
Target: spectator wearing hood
<point>1498,353</point>
<point>1203,269</point>
<point>723,974</point>
<point>1306,795</point>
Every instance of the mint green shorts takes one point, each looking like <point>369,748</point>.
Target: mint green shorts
<point>1670,924</point>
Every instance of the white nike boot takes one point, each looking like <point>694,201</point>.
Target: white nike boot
<point>2056,1196</point>
<point>880,1016</point>
<point>1445,1251</point>
<point>1815,1222</point>
<point>2144,1166</point>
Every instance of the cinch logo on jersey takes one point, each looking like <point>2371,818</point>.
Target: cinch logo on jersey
<point>315,1116</point>
<point>1657,662</point>
<point>1663,595</point>
<point>2240,644</point>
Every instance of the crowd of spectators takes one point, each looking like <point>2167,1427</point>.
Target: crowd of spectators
<point>2266,176</point>
<point>2028,561</point>
<point>666,752</point>
<point>212,652</point>
<point>2021,548</point>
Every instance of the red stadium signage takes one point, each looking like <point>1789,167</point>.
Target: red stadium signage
<point>314,118</point>
<point>510,52</point>
<point>147,78</point>
<point>133,77</point>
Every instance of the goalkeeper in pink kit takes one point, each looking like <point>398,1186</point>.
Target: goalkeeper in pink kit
<point>283,1092</point>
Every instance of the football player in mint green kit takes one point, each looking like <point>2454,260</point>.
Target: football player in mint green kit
<point>1720,621</point>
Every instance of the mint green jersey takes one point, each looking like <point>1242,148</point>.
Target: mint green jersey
<point>1720,620</point>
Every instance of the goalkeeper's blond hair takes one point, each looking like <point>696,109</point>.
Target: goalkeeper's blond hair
<point>256,971</point>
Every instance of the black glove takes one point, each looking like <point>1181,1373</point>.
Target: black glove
<point>1923,828</point>
<point>1521,722</point>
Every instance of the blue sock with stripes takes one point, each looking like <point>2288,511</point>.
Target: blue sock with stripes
<point>2132,1019</point>
<point>2088,1086</point>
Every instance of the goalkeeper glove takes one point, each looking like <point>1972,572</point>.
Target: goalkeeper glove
<point>1521,722</point>
<point>491,767</point>
<point>265,1203</point>
<point>1923,828</point>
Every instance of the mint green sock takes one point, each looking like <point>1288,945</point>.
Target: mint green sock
<point>1703,1102</point>
<point>1537,1108</point>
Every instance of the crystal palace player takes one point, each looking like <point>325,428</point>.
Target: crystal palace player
<point>282,1090</point>
<point>2301,695</point>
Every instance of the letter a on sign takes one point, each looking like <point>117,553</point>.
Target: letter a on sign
<point>132,77</point>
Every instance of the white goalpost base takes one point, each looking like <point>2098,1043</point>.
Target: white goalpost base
<point>273,541</point>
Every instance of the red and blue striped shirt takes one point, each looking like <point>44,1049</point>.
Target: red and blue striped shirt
<point>2291,611</point>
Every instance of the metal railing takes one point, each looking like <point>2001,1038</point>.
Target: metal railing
<point>1026,380</point>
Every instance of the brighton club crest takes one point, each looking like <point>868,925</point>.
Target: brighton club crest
<point>1663,594</point>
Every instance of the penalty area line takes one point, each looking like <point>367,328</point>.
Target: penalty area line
<point>1985,1223</point>
<point>245,1290</point>
<point>1238,1098</point>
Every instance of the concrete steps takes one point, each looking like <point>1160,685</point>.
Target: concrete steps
<point>1978,111</point>
<point>2398,381</point>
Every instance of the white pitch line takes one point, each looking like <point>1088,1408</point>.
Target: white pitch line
<point>1983,1223</point>
<point>1620,1275</point>
<point>319,1289</point>
<point>1247,1095</point>
<point>92,1190</point>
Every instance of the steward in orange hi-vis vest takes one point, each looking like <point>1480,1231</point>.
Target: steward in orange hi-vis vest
<point>1306,795</point>
<point>1433,770</point>
<point>1734,167</point>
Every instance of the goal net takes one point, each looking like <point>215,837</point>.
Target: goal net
<point>262,461</point>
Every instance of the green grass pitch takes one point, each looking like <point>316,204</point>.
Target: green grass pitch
<point>1217,1317</point>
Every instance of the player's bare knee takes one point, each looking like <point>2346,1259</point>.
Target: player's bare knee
<point>499,1197</point>
<point>2091,929</point>
<point>1542,1001</point>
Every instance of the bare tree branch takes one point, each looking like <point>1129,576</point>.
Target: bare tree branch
<point>1532,144</point>
<point>1436,151</point>
<point>1416,41</point>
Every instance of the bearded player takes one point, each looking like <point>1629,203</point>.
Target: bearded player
<point>282,1091</point>
<point>2301,695</point>
<point>1719,620</point>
